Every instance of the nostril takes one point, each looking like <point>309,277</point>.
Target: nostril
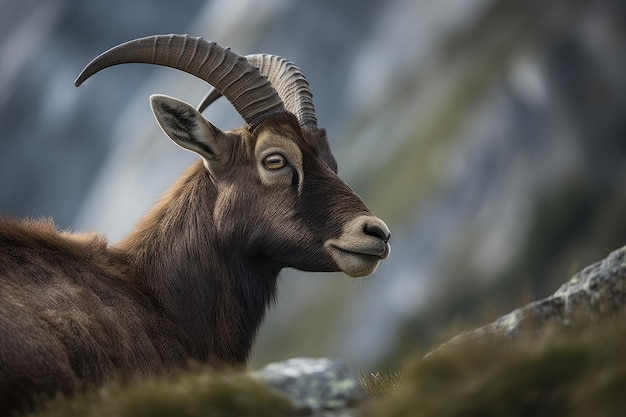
<point>376,230</point>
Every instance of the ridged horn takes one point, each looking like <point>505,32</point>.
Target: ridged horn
<point>288,80</point>
<point>241,82</point>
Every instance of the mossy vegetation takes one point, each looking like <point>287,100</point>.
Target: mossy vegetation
<point>199,392</point>
<point>574,371</point>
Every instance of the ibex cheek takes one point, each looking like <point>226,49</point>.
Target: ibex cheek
<point>362,244</point>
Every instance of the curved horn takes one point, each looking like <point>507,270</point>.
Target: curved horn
<point>288,80</point>
<point>250,93</point>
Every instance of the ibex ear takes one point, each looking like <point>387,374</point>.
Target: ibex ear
<point>189,129</point>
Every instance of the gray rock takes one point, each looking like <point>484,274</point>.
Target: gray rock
<point>315,386</point>
<point>598,290</point>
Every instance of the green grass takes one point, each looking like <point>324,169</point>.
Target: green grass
<point>379,384</point>
<point>197,393</point>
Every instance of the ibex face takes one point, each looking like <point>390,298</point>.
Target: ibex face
<point>277,191</point>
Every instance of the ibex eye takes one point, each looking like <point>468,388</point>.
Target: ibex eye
<point>274,161</point>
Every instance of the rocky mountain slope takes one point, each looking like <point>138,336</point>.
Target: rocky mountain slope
<point>489,134</point>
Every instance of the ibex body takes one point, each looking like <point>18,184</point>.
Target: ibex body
<point>193,280</point>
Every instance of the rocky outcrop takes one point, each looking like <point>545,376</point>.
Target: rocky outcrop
<point>598,290</point>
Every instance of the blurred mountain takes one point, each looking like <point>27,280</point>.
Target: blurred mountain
<point>489,134</point>
<point>55,137</point>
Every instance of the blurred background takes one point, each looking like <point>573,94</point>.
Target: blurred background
<point>489,134</point>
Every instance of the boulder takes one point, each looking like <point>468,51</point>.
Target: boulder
<point>314,386</point>
<point>597,291</point>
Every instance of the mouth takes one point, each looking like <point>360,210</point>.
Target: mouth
<point>379,249</point>
<point>361,261</point>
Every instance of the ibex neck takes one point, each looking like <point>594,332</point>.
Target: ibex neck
<point>214,294</point>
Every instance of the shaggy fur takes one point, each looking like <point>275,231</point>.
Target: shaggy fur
<point>190,283</point>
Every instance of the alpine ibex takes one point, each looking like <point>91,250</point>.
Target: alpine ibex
<point>193,280</point>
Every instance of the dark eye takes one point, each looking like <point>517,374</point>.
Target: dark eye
<point>274,161</point>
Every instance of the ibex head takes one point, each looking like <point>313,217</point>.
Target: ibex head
<point>275,180</point>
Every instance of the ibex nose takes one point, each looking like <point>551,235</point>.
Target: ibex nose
<point>376,228</point>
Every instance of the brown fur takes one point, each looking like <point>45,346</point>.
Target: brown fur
<point>191,283</point>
